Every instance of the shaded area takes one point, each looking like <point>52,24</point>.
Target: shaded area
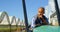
<point>13,28</point>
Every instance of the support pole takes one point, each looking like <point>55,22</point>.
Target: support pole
<point>25,15</point>
<point>57,11</point>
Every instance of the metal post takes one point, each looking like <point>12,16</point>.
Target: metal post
<point>10,27</point>
<point>25,15</point>
<point>57,11</point>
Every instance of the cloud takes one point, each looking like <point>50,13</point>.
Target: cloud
<point>49,8</point>
<point>46,11</point>
<point>52,6</point>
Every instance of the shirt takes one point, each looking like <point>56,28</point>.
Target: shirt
<point>34,19</point>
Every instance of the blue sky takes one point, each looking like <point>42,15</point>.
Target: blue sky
<point>14,7</point>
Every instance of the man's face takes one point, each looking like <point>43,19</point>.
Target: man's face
<point>40,12</point>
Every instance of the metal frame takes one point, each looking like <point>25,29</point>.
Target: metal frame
<point>25,15</point>
<point>57,11</point>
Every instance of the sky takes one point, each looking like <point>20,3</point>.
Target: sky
<point>59,3</point>
<point>14,7</point>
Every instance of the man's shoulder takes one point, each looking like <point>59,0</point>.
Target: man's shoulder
<point>34,17</point>
<point>45,17</point>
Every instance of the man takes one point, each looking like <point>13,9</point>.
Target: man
<point>39,19</point>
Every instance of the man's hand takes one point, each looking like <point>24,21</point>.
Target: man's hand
<point>40,16</point>
<point>30,28</point>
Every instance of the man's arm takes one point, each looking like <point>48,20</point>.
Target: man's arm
<point>46,21</point>
<point>33,23</point>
